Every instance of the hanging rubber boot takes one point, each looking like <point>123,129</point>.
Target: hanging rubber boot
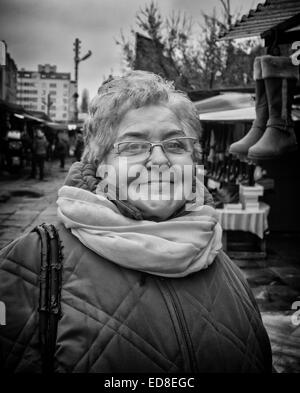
<point>280,77</point>
<point>242,146</point>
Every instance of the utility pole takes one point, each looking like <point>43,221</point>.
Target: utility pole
<point>77,60</point>
<point>3,52</point>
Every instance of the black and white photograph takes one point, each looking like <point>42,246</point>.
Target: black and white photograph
<point>149,189</point>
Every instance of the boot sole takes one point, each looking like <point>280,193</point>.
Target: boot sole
<point>269,157</point>
<point>242,155</point>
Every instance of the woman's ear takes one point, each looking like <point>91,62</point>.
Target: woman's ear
<point>194,184</point>
<point>197,154</point>
<point>99,169</point>
<point>100,164</point>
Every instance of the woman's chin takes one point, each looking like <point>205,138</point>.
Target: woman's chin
<point>159,209</point>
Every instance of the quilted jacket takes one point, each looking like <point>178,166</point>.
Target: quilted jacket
<point>120,320</point>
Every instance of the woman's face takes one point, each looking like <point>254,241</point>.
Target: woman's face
<point>157,182</point>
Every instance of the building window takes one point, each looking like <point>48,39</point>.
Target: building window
<point>43,107</point>
<point>30,106</point>
<point>66,85</point>
<point>32,99</point>
<point>52,85</point>
<point>64,115</point>
<point>31,84</point>
<point>65,101</point>
<point>66,94</point>
<point>27,91</point>
<point>52,92</point>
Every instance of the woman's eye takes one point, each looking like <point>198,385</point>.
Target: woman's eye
<point>174,145</point>
<point>132,148</point>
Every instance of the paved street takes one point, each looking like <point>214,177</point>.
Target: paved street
<point>275,281</point>
<point>28,202</point>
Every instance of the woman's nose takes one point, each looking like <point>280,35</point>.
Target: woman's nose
<point>158,156</point>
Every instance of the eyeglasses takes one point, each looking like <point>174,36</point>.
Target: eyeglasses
<point>143,149</point>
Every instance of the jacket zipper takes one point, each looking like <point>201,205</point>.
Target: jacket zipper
<point>174,304</point>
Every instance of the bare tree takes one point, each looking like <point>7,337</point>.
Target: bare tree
<point>230,62</point>
<point>203,63</point>
<point>127,48</point>
<point>212,50</point>
<point>150,20</point>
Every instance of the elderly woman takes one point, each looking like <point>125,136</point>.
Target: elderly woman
<point>145,286</point>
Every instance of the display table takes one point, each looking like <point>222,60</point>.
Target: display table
<point>254,221</point>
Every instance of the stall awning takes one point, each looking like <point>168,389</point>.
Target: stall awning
<point>227,107</point>
<point>56,126</point>
<point>224,102</point>
<point>238,115</point>
<point>234,115</point>
<point>50,124</point>
<point>231,107</point>
<point>282,15</point>
<point>28,117</point>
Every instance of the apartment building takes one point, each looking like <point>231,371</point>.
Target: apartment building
<point>8,80</point>
<point>46,90</point>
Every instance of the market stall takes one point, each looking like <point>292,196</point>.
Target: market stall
<point>276,74</point>
<point>225,119</point>
<point>17,131</point>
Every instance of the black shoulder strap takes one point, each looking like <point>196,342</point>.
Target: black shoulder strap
<point>50,292</point>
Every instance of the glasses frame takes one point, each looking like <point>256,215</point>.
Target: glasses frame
<point>153,144</point>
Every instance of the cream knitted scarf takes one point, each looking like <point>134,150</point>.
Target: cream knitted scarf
<point>173,248</point>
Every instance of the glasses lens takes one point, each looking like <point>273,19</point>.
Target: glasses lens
<point>178,146</point>
<point>129,149</point>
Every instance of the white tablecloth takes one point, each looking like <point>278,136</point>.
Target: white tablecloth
<point>254,221</point>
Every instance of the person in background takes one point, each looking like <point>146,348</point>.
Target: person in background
<point>79,146</point>
<point>27,147</point>
<point>61,149</point>
<point>39,153</point>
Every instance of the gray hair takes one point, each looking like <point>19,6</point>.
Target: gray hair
<point>134,90</point>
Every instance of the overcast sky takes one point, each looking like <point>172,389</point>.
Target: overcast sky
<point>43,31</point>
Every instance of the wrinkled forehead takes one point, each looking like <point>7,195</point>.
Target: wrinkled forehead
<point>155,121</point>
